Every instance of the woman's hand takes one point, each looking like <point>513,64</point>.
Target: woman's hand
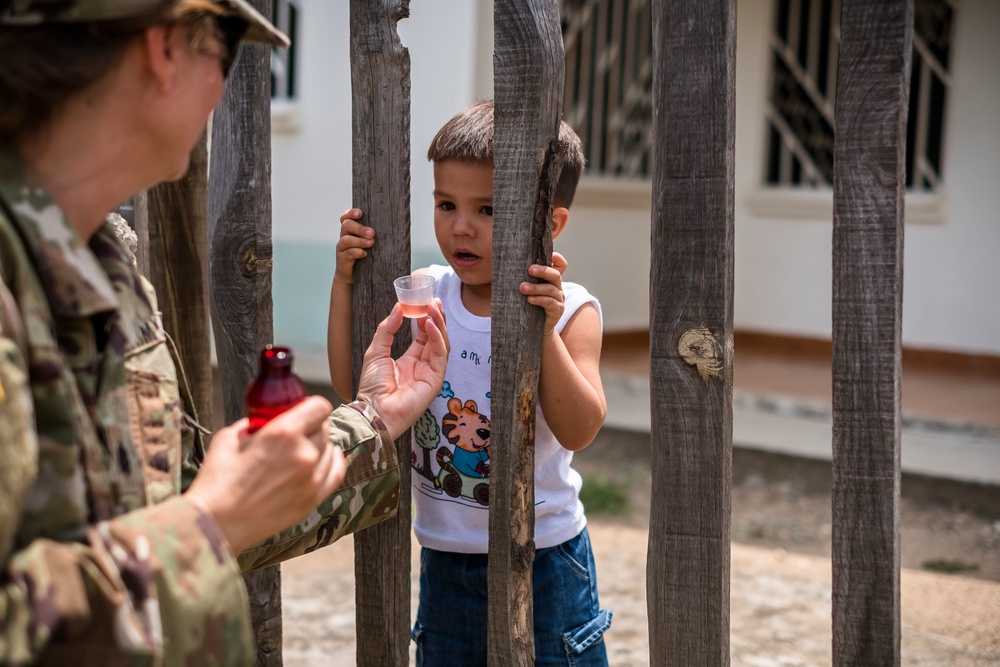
<point>401,390</point>
<point>257,485</point>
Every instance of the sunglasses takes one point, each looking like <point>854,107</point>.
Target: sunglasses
<point>232,30</point>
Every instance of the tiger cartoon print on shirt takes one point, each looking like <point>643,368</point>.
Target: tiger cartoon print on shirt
<point>464,470</point>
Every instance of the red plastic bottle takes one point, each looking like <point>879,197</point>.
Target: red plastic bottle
<point>275,389</point>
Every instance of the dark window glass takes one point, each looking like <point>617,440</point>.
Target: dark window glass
<point>803,82</point>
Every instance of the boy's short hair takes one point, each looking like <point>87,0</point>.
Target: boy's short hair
<point>469,136</point>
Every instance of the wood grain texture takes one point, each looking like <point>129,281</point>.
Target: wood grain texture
<point>240,261</point>
<point>529,75</point>
<point>380,91</point>
<point>691,329</point>
<point>173,218</point>
<point>869,184</point>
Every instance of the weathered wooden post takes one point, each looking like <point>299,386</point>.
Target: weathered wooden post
<point>171,221</point>
<point>873,85</point>
<point>691,331</point>
<point>380,90</point>
<point>529,75</point>
<point>240,263</point>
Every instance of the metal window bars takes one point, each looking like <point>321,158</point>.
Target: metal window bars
<point>609,80</point>
<point>283,80</point>
<point>805,43</point>
<point>608,99</point>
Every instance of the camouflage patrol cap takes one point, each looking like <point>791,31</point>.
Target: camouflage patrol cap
<point>33,12</point>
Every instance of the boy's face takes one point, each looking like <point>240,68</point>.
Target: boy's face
<point>463,218</point>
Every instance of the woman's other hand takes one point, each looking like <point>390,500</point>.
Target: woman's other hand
<point>257,485</point>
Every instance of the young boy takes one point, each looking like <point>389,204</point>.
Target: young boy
<point>451,442</point>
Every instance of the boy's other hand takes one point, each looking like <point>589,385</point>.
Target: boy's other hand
<point>547,294</point>
<point>355,239</point>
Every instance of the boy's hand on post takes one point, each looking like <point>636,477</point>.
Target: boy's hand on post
<point>547,294</point>
<point>400,390</point>
<point>355,239</point>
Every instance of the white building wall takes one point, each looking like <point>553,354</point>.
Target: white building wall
<point>311,173</point>
<point>952,270</point>
<point>783,265</point>
<point>312,165</point>
<point>783,246</point>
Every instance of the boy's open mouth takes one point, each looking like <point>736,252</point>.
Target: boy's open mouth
<point>466,256</point>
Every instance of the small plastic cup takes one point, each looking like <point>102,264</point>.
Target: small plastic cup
<point>414,294</point>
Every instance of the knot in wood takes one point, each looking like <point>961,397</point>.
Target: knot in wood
<point>268,632</point>
<point>250,261</point>
<point>699,348</point>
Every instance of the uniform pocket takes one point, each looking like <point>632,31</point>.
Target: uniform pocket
<point>157,419</point>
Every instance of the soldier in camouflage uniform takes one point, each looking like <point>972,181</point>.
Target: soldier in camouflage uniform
<point>122,541</point>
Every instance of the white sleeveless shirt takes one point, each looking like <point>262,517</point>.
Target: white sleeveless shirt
<point>451,445</point>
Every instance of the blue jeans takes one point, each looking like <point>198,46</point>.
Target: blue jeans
<point>569,624</point>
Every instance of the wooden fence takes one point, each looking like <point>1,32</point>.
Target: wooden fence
<point>691,309</point>
<point>380,82</point>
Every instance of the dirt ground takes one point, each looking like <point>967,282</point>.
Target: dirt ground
<point>780,595</point>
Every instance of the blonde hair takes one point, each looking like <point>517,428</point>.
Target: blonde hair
<point>197,16</point>
<point>468,136</point>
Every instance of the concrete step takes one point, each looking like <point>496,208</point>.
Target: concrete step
<point>800,427</point>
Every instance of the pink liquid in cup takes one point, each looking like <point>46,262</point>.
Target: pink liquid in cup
<point>414,294</point>
<point>414,311</point>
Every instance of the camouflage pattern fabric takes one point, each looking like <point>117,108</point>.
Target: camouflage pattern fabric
<point>102,562</point>
<point>370,492</point>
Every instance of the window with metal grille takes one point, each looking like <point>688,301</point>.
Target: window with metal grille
<point>609,81</point>
<point>804,47</point>
<point>283,61</point>
<point>609,76</point>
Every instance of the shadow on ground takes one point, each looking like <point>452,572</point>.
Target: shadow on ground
<point>783,502</point>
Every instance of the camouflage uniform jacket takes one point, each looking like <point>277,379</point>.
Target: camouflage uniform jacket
<point>101,561</point>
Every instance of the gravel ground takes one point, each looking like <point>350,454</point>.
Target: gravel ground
<point>780,596</point>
